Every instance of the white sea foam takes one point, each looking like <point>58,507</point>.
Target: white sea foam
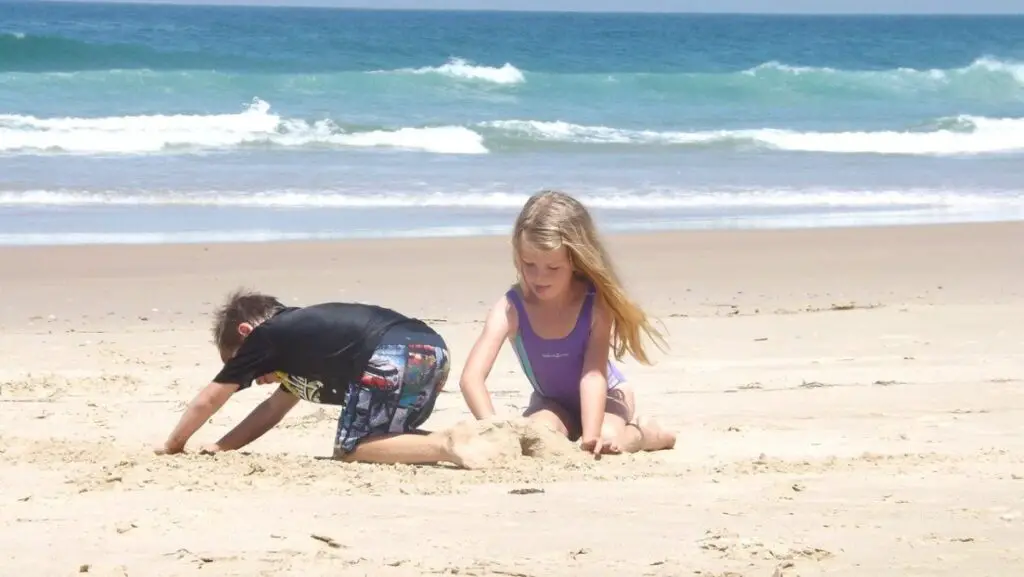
<point>984,65</point>
<point>974,135</point>
<point>255,125</point>
<point>217,236</point>
<point>463,69</point>
<point>682,199</point>
<point>258,126</point>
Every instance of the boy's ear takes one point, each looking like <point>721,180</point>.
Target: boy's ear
<point>244,329</point>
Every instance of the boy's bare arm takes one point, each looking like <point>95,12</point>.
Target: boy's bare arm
<point>202,407</point>
<point>263,418</point>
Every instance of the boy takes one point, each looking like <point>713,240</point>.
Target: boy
<point>384,368</point>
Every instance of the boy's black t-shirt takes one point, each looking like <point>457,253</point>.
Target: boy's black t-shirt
<point>326,346</point>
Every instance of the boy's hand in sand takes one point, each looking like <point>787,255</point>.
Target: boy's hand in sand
<point>211,449</point>
<point>165,449</point>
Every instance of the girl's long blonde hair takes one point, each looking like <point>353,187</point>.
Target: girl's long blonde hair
<point>552,219</point>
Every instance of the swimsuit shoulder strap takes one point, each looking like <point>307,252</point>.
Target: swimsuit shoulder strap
<point>583,323</point>
<point>517,301</point>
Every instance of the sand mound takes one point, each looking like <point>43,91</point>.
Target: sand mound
<point>542,442</point>
<point>485,444</point>
<point>500,443</point>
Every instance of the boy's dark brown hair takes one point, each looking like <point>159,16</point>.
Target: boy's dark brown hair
<point>241,306</point>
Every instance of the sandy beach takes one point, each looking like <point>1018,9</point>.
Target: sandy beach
<point>848,403</point>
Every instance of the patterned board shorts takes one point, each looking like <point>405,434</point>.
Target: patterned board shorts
<point>398,389</point>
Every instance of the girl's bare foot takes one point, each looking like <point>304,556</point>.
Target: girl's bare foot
<point>655,438</point>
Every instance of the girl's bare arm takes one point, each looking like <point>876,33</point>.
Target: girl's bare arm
<point>481,360</point>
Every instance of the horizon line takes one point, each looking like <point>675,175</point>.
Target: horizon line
<point>320,6</point>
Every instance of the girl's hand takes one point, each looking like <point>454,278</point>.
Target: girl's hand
<point>603,445</point>
<point>592,445</point>
<point>610,446</point>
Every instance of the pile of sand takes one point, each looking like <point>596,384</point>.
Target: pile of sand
<point>500,443</point>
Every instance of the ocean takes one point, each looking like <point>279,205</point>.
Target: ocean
<point>157,123</point>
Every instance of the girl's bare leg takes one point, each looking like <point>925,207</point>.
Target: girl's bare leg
<point>553,415</point>
<point>633,434</point>
<point>656,438</point>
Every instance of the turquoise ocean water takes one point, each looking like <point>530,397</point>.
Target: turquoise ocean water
<point>123,123</point>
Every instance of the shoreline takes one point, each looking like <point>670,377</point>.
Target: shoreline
<point>605,231</point>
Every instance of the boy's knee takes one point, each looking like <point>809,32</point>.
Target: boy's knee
<point>340,454</point>
<point>348,455</point>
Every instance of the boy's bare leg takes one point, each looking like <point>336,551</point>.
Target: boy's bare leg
<point>466,446</point>
<point>408,448</point>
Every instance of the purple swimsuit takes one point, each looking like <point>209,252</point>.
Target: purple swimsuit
<point>555,366</point>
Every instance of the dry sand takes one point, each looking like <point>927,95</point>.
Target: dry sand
<point>848,403</point>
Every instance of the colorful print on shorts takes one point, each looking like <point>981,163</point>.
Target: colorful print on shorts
<point>395,393</point>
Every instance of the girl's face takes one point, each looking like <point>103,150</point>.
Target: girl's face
<point>548,274</point>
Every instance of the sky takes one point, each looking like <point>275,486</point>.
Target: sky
<point>758,6</point>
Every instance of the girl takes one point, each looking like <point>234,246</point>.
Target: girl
<point>565,314</point>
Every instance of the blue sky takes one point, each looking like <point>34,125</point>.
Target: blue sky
<point>800,6</point>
